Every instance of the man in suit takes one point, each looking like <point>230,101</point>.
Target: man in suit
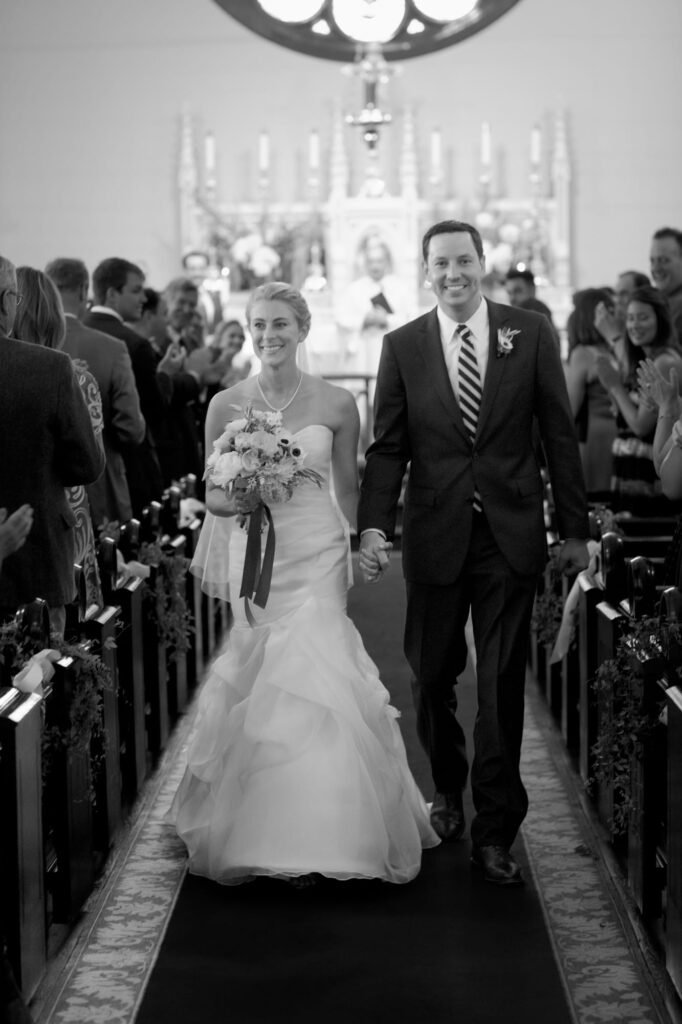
<point>457,392</point>
<point>108,360</point>
<point>210,290</point>
<point>46,444</point>
<point>118,286</point>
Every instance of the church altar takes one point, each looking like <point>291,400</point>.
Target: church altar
<point>318,243</point>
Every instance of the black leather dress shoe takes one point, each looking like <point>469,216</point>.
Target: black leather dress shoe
<point>497,864</point>
<point>447,816</point>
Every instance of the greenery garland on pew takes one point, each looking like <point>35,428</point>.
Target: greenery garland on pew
<point>166,598</point>
<point>85,731</point>
<point>624,730</point>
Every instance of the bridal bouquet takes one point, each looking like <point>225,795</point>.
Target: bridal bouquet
<point>256,456</point>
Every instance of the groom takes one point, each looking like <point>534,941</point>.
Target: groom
<point>457,392</point>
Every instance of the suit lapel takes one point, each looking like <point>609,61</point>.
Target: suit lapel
<point>432,353</point>
<point>497,318</point>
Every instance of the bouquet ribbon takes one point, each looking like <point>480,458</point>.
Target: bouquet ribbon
<point>256,577</point>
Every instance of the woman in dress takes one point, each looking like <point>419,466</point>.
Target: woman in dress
<point>40,319</point>
<point>635,485</point>
<point>296,765</point>
<point>592,407</point>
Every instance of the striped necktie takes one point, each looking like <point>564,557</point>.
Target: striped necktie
<point>470,391</point>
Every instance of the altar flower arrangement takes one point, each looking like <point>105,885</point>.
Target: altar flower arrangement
<point>256,456</point>
<point>505,341</point>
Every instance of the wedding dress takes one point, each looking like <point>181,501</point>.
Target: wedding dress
<point>295,762</point>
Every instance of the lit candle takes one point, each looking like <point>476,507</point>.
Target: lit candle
<point>209,153</point>
<point>486,151</point>
<point>535,145</point>
<point>314,151</point>
<point>436,152</point>
<point>263,151</point>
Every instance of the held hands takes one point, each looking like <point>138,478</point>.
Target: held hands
<point>374,556</point>
<point>573,556</point>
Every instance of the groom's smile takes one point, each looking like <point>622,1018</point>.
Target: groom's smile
<point>454,270</point>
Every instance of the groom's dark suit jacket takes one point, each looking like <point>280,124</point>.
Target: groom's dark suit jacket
<point>418,421</point>
<point>46,444</point>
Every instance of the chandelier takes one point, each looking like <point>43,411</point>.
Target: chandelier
<point>339,29</point>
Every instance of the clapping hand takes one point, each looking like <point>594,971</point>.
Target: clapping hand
<point>14,529</point>
<point>173,359</point>
<point>655,390</point>
<point>606,323</point>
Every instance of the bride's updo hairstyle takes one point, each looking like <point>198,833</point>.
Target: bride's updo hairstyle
<point>280,291</point>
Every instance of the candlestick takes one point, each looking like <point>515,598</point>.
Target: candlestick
<point>486,146</point>
<point>535,145</point>
<point>436,153</point>
<point>209,153</point>
<point>314,151</point>
<point>263,152</point>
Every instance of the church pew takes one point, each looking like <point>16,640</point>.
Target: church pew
<point>589,596</point>
<point>155,664</point>
<point>195,656</point>
<point>126,593</point>
<point>673,938</point>
<point>22,894</point>
<point>177,660</point>
<point>67,807</point>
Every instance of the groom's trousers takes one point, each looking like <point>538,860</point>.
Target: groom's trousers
<point>501,603</point>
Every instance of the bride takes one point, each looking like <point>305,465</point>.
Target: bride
<point>295,763</point>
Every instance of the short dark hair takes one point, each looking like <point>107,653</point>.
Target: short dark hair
<point>450,227</point>
<point>670,233</point>
<point>152,298</point>
<point>69,275</point>
<point>112,273</point>
<point>516,274</point>
<point>639,280</point>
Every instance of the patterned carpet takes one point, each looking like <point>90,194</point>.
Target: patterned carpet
<point>608,974</point>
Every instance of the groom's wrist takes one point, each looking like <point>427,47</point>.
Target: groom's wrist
<point>372,529</point>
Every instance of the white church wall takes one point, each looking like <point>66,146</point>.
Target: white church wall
<point>92,93</point>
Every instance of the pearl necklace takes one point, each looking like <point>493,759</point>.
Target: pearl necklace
<point>287,404</point>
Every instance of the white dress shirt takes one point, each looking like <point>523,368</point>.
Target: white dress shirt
<point>479,325</point>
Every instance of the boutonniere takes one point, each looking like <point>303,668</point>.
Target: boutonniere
<point>505,341</point>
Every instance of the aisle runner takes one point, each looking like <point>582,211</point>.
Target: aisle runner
<point>445,948</point>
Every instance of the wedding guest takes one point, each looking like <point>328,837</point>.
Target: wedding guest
<point>108,360</point>
<point>227,343</point>
<point>152,322</point>
<point>520,285</point>
<point>666,271</point>
<point>609,318</point>
<point>41,320</point>
<point>460,411</point>
<point>591,404</point>
<point>118,286</point>
<point>648,335</point>
<point>210,289</point>
<point>295,765</point>
<point>46,444</point>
